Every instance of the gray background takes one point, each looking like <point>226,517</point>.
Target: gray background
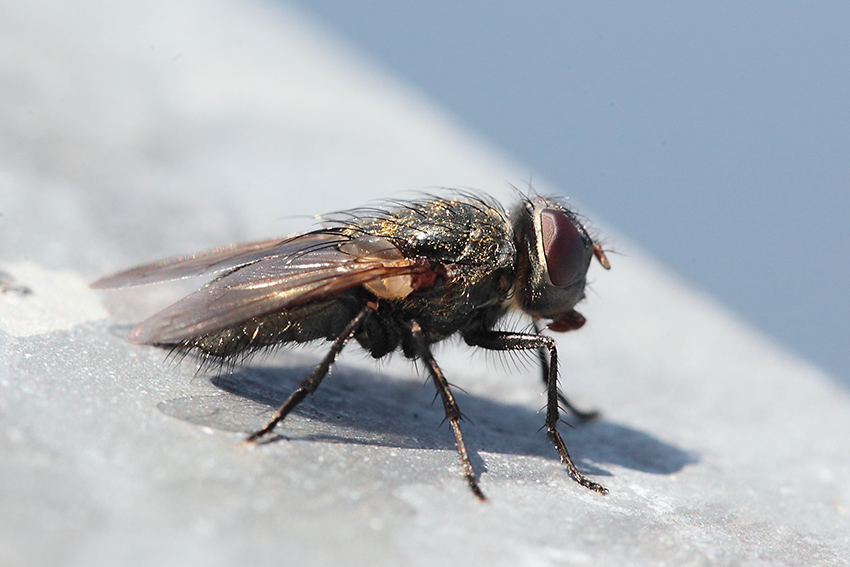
<point>134,131</point>
<point>717,136</point>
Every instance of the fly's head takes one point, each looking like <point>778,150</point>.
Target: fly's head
<point>555,251</point>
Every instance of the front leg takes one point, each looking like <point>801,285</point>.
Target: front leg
<point>498,340</point>
<point>542,356</point>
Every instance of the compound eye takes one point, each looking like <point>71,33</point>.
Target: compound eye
<point>563,247</point>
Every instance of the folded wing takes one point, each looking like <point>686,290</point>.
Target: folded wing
<point>207,262</point>
<point>264,278</point>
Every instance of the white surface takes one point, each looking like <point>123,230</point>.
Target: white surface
<point>131,133</point>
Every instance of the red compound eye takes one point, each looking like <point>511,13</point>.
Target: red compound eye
<point>563,247</point>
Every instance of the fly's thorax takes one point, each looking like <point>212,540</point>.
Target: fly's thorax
<point>469,243</point>
<point>553,255</point>
<point>458,230</point>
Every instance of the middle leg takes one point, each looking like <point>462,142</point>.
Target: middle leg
<point>453,414</point>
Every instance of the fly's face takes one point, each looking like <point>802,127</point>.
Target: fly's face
<point>555,253</point>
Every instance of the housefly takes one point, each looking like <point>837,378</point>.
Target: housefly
<point>402,276</point>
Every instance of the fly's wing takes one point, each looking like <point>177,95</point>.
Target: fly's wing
<point>305,268</point>
<point>208,262</point>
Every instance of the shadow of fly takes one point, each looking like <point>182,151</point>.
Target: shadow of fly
<point>402,276</point>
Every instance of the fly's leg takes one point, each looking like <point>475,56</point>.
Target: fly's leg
<point>542,355</point>
<point>452,411</point>
<point>311,382</point>
<point>494,340</point>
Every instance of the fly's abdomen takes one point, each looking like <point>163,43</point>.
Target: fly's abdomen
<point>314,321</point>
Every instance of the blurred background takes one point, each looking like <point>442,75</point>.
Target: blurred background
<point>716,136</point>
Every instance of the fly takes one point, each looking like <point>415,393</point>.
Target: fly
<point>401,277</point>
